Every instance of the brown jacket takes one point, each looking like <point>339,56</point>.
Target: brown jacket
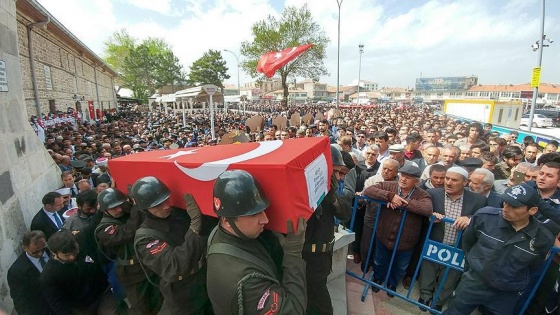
<point>419,204</point>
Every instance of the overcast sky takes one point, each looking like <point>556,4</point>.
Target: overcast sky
<point>402,40</point>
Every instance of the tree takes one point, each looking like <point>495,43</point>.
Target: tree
<point>294,28</point>
<point>143,67</point>
<point>117,48</point>
<point>209,69</point>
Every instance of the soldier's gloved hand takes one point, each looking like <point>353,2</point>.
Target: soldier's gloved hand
<point>292,243</point>
<point>330,197</point>
<point>194,213</point>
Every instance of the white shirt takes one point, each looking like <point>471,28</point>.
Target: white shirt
<point>51,216</point>
<point>382,157</point>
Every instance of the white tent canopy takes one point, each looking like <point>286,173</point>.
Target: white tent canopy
<point>232,98</point>
<point>168,98</point>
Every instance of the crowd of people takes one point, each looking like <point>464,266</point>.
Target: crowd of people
<point>98,248</point>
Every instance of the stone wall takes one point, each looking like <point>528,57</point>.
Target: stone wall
<point>71,74</point>
<point>26,170</point>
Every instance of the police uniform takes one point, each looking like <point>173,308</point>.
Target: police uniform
<point>270,283</point>
<point>499,262</point>
<point>115,237</point>
<point>175,253</point>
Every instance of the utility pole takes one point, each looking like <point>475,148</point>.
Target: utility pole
<point>361,50</point>
<point>339,2</point>
<point>539,45</point>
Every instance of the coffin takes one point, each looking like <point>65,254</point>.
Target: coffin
<point>293,174</point>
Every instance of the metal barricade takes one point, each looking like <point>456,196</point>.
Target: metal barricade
<point>451,257</point>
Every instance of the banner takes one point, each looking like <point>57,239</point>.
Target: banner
<point>90,109</point>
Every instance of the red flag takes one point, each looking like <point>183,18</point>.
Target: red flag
<point>274,60</point>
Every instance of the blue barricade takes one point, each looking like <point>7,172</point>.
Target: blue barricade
<point>450,257</point>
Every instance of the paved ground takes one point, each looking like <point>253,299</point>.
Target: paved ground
<point>376,303</point>
<point>555,132</point>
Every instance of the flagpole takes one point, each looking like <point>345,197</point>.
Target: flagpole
<point>339,2</point>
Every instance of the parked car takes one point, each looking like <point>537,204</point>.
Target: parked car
<point>539,120</point>
<point>552,114</point>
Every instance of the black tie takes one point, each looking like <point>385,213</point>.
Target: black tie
<point>42,262</point>
<point>73,192</point>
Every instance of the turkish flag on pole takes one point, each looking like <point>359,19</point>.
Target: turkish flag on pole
<point>274,60</point>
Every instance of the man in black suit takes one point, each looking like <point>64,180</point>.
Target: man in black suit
<point>73,282</point>
<point>68,179</point>
<point>481,182</point>
<point>23,276</point>
<point>454,202</point>
<point>47,219</point>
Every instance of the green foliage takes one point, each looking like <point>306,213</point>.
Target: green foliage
<point>143,67</point>
<point>209,69</point>
<point>294,28</point>
<point>117,48</point>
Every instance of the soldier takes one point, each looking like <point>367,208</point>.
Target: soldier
<point>242,255</point>
<point>115,237</point>
<point>319,240</point>
<point>169,244</point>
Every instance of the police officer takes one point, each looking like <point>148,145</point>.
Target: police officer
<point>115,237</point>
<point>246,271</point>
<point>319,240</point>
<point>501,247</point>
<point>169,244</point>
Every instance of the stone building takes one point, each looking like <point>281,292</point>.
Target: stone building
<point>27,171</point>
<point>63,72</point>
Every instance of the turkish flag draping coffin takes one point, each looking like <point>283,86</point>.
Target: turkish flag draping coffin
<point>293,174</point>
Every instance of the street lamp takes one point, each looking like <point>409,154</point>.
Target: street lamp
<point>538,45</point>
<point>361,50</point>
<point>238,84</point>
<point>339,2</point>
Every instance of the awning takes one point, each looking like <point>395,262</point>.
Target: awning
<point>232,98</point>
<point>168,98</point>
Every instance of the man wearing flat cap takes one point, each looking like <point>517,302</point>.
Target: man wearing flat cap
<point>399,195</point>
<point>501,247</point>
<point>396,152</point>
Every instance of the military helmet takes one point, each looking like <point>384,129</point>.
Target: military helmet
<point>336,156</point>
<point>236,193</point>
<point>149,192</point>
<point>110,198</point>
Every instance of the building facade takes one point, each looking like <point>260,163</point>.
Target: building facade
<point>445,83</point>
<point>268,85</point>
<point>58,70</point>
<point>315,91</point>
<point>549,94</point>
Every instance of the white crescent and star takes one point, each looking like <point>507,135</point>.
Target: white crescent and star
<point>178,154</point>
<point>278,55</point>
<point>211,170</point>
